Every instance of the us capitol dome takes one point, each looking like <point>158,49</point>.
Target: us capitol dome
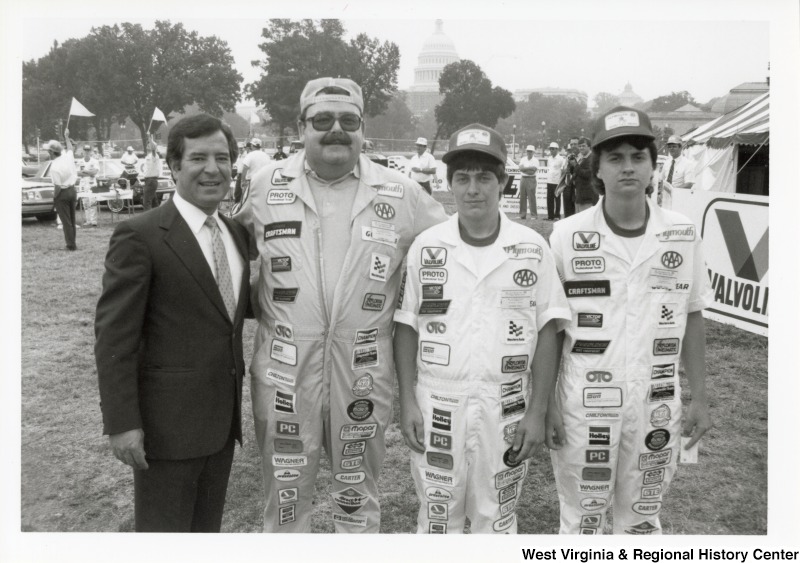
<point>437,52</point>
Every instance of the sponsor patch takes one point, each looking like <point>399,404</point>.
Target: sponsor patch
<point>657,439</point>
<point>350,520</point>
<point>682,286</point>
<point>278,179</point>
<point>591,520</point>
<point>453,401</point>
<point>666,346</point>
<point>595,415</point>
<point>647,508</point>
<point>655,459</point>
<point>596,474</point>
<point>434,307</point>
<point>504,523</point>
<point>516,298</point>
<point>590,320</point>
<point>280,377</point>
<point>382,225</point>
<point>598,376</point>
<point>653,475</point>
<point>286,514</point>
<point>510,432</point>
<point>508,507</point>
<point>588,488</point>
<point>438,494</point>
<point>288,446</point>
<point>283,352</point>
<point>587,288</point>
<point>513,406</point>
<point>589,265</point>
<point>660,416</point>
<point>432,291</point>
<point>662,273</point>
<point>671,259</point>
<point>590,346</point>
<point>352,463</point>
<point>440,460</point>
<point>283,229</point>
<point>507,493</point>
<point>585,240</point>
<point>677,233</point>
<point>284,331</point>
<point>284,402</point>
<point>473,137</point>
<point>379,267</point>
<point>365,357</point>
<point>597,456</point>
<point>524,277</point>
<point>517,331</point>
<point>432,275</point>
<point>391,189</point>
<point>280,197</point>
<point>437,511</point>
<point>373,302</point>
<point>599,435</point>
<point>510,458</point>
<point>360,409</point>
<point>593,503</point>
<point>434,353</point>
<point>402,291</point>
<point>509,476</point>
<point>281,264</point>
<point>666,315</point>
<point>381,236</point>
<point>438,478</point>
<point>442,420</point>
<point>286,496</point>
<point>626,118</point>
<point>354,448</point>
<point>441,441</point>
<point>289,460</point>
<point>285,294</point>
<point>433,257</point>
<point>437,528</point>
<point>602,397</point>
<point>351,478</point>
<point>287,428</point>
<point>662,371</point>
<point>588,531</point>
<point>349,500</point>
<point>661,392</point>
<point>368,336</point>
<point>286,475</point>
<point>514,364</point>
<point>384,210</point>
<point>651,493</point>
<point>645,528</point>
<point>523,251</point>
<point>362,386</point>
<point>507,389</point>
<point>358,431</point>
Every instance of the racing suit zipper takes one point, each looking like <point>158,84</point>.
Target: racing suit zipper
<point>326,332</point>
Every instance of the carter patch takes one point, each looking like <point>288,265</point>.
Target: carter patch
<point>280,197</point>
<point>590,346</point>
<point>434,307</point>
<point>655,459</point>
<point>433,257</point>
<point>283,229</point>
<point>285,294</point>
<point>432,291</point>
<point>281,264</point>
<point>585,240</point>
<point>514,364</point>
<point>360,409</point>
<point>283,352</point>
<point>587,288</point>
<point>589,265</point>
<point>373,302</point>
<point>365,357</point>
<point>590,320</point>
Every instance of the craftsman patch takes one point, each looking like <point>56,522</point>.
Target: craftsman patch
<point>589,265</point>
<point>514,364</point>
<point>590,346</point>
<point>391,189</point>
<point>661,392</point>
<point>513,406</point>
<point>281,264</point>
<point>524,278</point>
<point>588,288</point>
<point>666,346</point>
<point>282,229</point>
<point>516,331</point>
<point>602,397</point>
<point>283,352</point>
<point>360,409</point>
<point>381,236</point>
<point>507,389</point>
<point>362,386</point>
<point>284,402</point>
<point>365,357</point>
<point>285,294</point>
<point>434,307</point>
<point>373,302</point>
<point>284,331</point>
<point>432,291</point>
<point>432,275</point>
<point>590,320</point>
<point>368,336</point>
<point>440,460</point>
<point>677,233</point>
<point>379,267</point>
<point>280,197</point>
<point>523,251</point>
<point>434,353</point>
<point>280,377</point>
<point>433,257</point>
<point>585,240</point>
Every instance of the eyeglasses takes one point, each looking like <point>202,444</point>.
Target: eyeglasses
<point>324,121</point>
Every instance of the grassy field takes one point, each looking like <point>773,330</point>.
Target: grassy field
<point>71,482</point>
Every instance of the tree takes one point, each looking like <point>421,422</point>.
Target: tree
<point>671,102</point>
<point>559,114</point>
<point>397,122</point>
<point>604,101</point>
<point>469,97</point>
<point>374,67</point>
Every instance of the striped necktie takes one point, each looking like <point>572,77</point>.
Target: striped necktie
<point>671,170</point>
<point>223,270</point>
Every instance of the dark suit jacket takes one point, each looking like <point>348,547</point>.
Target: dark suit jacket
<point>169,360</point>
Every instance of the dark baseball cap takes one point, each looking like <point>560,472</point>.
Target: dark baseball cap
<point>621,121</point>
<point>479,138</point>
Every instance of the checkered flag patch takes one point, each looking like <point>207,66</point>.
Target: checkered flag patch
<point>666,313</point>
<point>514,329</point>
<point>379,266</point>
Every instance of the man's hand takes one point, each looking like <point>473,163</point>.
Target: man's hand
<point>128,447</point>
<point>697,422</point>
<point>412,425</point>
<point>556,436</point>
<point>530,435</point>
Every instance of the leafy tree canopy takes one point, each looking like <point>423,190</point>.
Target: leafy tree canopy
<point>671,101</point>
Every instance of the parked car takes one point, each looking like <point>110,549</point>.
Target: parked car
<point>29,170</point>
<point>37,194</point>
<point>111,171</point>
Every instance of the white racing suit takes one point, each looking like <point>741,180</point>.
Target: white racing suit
<point>315,377</point>
<point>618,387</point>
<point>477,330</point>
<point>85,184</point>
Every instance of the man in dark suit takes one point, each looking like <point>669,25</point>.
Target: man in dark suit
<point>169,338</point>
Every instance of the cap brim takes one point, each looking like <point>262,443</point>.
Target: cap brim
<point>455,152</point>
<point>623,132</point>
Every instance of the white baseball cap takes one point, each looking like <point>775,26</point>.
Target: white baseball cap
<point>129,149</point>
<point>422,141</point>
<point>553,145</point>
<point>530,148</point>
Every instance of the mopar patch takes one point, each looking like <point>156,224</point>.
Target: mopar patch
<point>588,288</point>
<point>590,346</point>
<point>280,197</point>
<point>368,336</point>
<point>434,353</point>
<point>585,240</point>
<point>671,259</point>
<point>432,275</point>
<point>354,448</point>
<point>661,371</point>
<point>666,346</point>
<point>373,302</point>
<point>602,397</point>
<point>278,179</point>
<point>349,500</point>
<point>655,459</point>
<point>661,392</point>
<point>432,291</point>
<point>509,476</point>
<point>283,352</point>
<point>285,294</point>
<point>358,431</point>
<point>442,420</point>
<point>523,251</point>
<point>507,389</point>
<point>282,229</point>
<point>590,320</point>
<point>524,278</point>
<point>434,307</point>
<point>677,233</point>
<point>391,189</point>
<point>656,439</point>
<point>433,257</point>
<point>284,402</point>
<point>513,364</point>
<point>384,211</point>
<point>288,446</point>
<point>440,460</point>
<point>365,357</point>
<point>362,386</point>
<point>287,428</point>
<point>379,267</point>
<point>281,264</point>
<point>589,265</point>
<point>513,406</point>
<point>360,409</point>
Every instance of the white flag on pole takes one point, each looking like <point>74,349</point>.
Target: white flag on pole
<point>78,109</point>
<point>254,119</point>
<point>158,115</point>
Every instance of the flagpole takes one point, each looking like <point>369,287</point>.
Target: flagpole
<point>66,127</point>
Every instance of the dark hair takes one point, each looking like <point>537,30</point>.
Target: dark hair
<point>192,127</point>
<point>585,141</point>
<point>327,90</point>
<point>636,141</point>
<point>473,160</point>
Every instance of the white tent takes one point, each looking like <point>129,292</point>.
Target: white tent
<point>715,145</point>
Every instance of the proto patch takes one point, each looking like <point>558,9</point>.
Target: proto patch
<point>434,307</point>
<point>590,346</point>
<point>590,320</point>
<point>523,251</point>
<point>379,267</point>
<point>373,302</point>
<point>432,275</point>
<point>280,197</point>
<point>473,137</point>
<point>433,257</point>
<point>280,264</point>
<point>585,240</point>
<point>365,357</point>
<point>285,294</point>
<point>434,353</point>
<point>283,229</point>
<point>602,397</point>
<point>283,352</point>
<point>362,386</point>
<point>432,291</point>
<point>666,346</point>
<point>589,265</point>
<point>284,402</point>
<point>514,364</point>
<point>587,288</point>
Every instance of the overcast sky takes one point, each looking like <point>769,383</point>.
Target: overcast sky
<point>517,48</point>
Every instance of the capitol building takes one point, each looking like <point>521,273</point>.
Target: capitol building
<point>437,52</point>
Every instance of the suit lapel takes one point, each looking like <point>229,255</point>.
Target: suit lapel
<point>182,241</point>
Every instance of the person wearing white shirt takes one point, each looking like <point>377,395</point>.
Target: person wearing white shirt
<point>527,185</point>
<point>64,175</point>
<point>88,167</point>
<point>677,172</point>
<point>422,166</point>
<point>555,171</point>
